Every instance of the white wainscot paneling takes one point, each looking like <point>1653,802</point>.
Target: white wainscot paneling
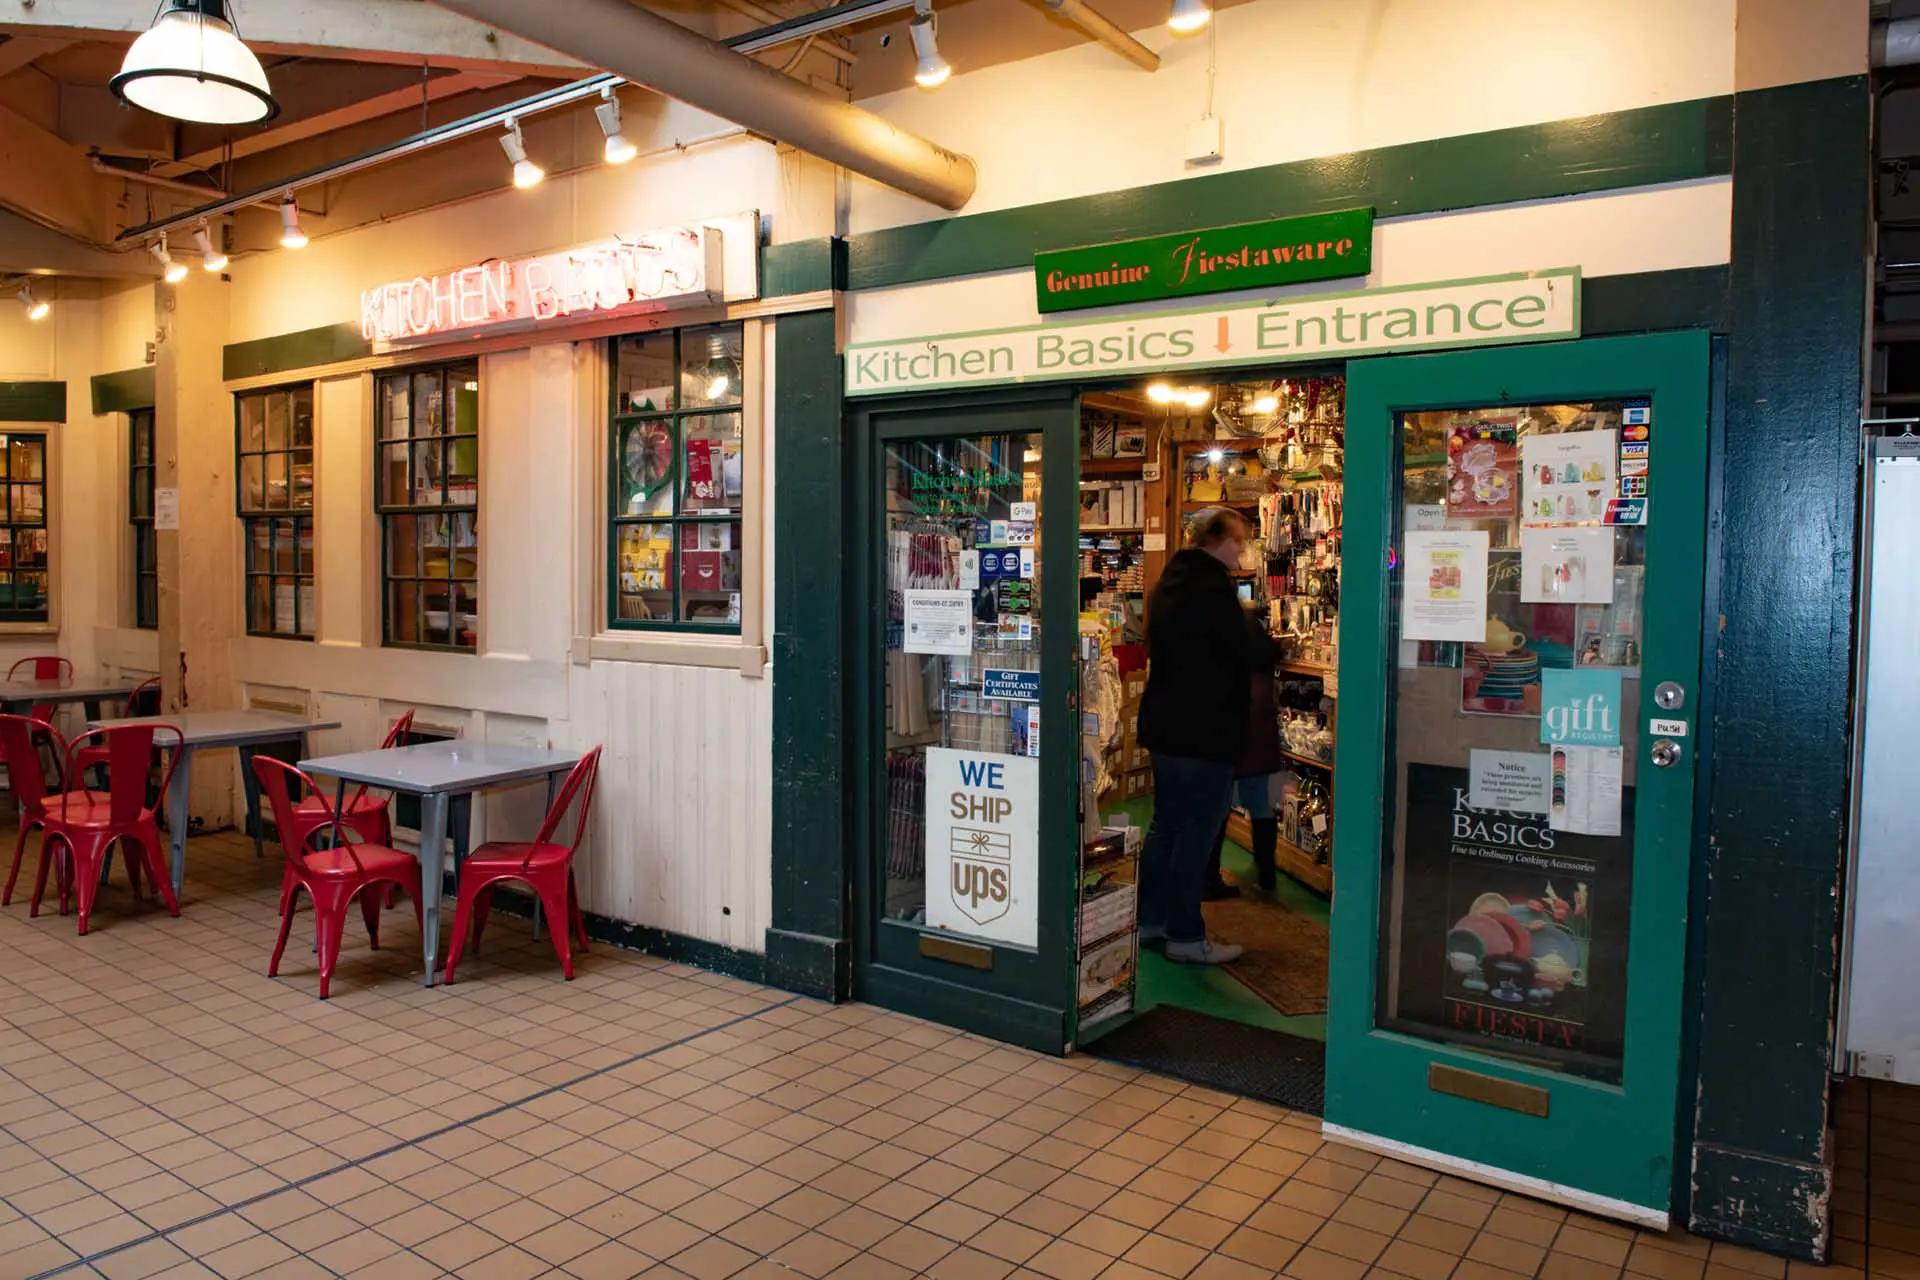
<point>680,838</point>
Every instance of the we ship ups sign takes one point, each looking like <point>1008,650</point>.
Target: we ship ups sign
<point>1538,306</point>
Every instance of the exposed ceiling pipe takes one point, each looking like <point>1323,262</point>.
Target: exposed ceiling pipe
<point>667,58</point>
<point>1102,28</point>
<point>1896,43</point>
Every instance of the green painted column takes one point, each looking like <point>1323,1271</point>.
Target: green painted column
<point>1778,774</point>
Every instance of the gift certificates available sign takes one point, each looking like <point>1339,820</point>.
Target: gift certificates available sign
<point>1535,306</point>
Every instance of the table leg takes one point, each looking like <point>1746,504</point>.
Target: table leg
<point>177,819</point>
<point>433,853</point>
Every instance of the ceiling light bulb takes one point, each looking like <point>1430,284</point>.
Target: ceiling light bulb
<point>173,272</point>
<point>1188,16</point>
<point>1160,393</point>
<point>291,236</point>
<point>192,65</point>
<point>525,172</point>
<point>36,309</point>
<point>619,149</point>
<point>1195,397</point>
<point>717,387</point>
<point>930,70</point>
<point>1215,455</point>
<point>1267,404</point>
<point>210,258</point>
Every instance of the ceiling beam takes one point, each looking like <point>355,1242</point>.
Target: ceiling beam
<point>403,31</point>
<point>24,51</point>
<point>27,248</point>
<point>47,180</point>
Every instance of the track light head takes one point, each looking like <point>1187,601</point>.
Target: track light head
<point>930,70</point>
<point>619,149</point>
<point>291,236</point>
<point>525,172</point>
<point>36,308</point>
<point>172,272</point>
<point>211,259</point>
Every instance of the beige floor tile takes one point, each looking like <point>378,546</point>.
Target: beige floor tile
<point>248,1257</point>
<point>814,1255</point>
<point>1403,1257</point>
<point>1009,1241</point>
<point>1317,1264</point>
<point>912,1248</point>
<point>1047,1215</point>
<point>141,1262</point>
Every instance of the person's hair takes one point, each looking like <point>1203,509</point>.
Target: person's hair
<point>1215,525</point>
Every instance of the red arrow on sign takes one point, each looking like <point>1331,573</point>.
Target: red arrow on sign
<point>1222,346</point>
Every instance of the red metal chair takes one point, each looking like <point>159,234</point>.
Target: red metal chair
<point>331,875</point>
<point>20,752</point>
<point>80,828</point>
<point>43,668</point>
<point>144,700</point>
<point>543,866</point>
<point>369,817</point>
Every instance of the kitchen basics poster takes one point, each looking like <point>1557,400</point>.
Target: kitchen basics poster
<point>1568,478</point>
<point>1512,934</point>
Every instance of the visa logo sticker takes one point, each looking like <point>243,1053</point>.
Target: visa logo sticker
<point>1635,450</point>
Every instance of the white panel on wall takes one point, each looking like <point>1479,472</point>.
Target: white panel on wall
<point>527,409</point>
<point>343,531</point>
<point>1301,78</point>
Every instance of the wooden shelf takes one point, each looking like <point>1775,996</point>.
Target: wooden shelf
<point>1307,760</point>
<point>1305,668</point>
<point>1112,528</point>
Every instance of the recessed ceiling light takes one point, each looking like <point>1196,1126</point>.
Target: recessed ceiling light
<point>1188,16</point>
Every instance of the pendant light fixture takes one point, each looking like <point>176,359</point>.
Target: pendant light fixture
<point>211,259</point>
<point>619,149</point>
<point>1188,16</point>
<point>173,272</point>
<point>525,172</point>
<point>291,236</point>
<point>930,70</point>
<point>36,309</point>
<point>192,65</point>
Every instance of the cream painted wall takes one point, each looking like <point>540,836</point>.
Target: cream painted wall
<point>1301,78</point>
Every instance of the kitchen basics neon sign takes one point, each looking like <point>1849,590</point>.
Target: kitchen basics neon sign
<point>675,267</point>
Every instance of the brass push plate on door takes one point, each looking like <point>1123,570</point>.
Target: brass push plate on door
<point>1509,1095</point>
<point>954,952</point>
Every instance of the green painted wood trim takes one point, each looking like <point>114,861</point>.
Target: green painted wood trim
<point>1801,240</point>
<point>805,266</point>
<point>1654,301</point>
<point>123,392</point>
<point>1675,142</point>
<point>291,352</point>
<point>806,942</point>
<point>33,402</point>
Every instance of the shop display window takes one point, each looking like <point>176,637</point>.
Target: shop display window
<point>146,555</point>
<point>427,493</point>
<point>23,528</point>
<point>274,446</point>
<point>677,480</point>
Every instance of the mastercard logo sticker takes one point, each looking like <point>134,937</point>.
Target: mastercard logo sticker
<point>1636,432</point>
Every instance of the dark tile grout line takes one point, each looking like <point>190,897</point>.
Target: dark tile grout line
<point>397,1147</point>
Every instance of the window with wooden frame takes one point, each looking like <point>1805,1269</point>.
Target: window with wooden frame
<point>23,527</point>
<point>273,441</point>
<point>427,494</point>
<point>677,480</point>
<point>140,486</point>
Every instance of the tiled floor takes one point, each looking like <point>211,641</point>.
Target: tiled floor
<point>166,1110</point>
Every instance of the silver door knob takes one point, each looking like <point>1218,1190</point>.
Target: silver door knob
<point>1669,696</point>
<point>1666,754</point>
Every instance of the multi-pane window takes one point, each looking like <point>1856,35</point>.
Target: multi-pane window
<point>146,555</point>
<point>274,444</point>
<point>23,528</point>
<point>427,491</point>
<point>677,477</point>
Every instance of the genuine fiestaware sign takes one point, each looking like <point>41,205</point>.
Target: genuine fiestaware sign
<point>1535,306</point>
<point>675,267</point>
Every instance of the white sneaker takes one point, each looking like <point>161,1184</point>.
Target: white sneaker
<point>1205,951</point>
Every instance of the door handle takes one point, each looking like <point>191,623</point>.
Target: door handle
<point>1666,754</point>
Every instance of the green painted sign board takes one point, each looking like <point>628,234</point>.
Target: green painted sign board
<point>1253,255</point>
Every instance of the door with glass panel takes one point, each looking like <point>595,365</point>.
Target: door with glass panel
<point>1521,651</point>
<point>967,623</point>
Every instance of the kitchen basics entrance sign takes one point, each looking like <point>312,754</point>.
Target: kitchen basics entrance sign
<point>983,845</point>
<point>1534,306</point>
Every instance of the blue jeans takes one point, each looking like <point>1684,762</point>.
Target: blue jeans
<point>1190,799</point>
<point>1255,795</point>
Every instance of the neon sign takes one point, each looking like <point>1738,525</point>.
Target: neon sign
<point>675,267</point>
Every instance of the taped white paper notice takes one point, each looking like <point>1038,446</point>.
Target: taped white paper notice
<point>1509,781</point>
<point>1444,592</point>
<point>1566,566</point>
<point>1586,790</point>
<point>938,622</point>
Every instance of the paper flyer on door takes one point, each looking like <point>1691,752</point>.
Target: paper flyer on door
<point>1569,477</point>
<point>1445,593</point>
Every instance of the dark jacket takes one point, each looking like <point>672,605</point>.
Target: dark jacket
<point>1261,756</point>
<point>1198,673</point>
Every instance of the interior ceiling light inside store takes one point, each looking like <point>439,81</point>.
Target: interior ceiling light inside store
<point>930,70</point>
<point>1188,16</point>
<point>1191,397</point>
<point>37,308</point>
<point>192,65</point>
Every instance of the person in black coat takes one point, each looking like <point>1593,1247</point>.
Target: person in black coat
<point>1193,719</point>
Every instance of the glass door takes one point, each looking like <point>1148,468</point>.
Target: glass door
<point>969,624</point>
<point>1522,627</point>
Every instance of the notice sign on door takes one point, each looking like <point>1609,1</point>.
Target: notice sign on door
<point>983,845</point>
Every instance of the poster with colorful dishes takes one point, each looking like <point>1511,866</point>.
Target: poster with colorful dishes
<point>1500,669</point>
<point>1513,935</point>
<point>1483,469</point>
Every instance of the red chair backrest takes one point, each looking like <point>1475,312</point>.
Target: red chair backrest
<point>23,758</point>
<point>46,667</point>
<point>579,783</point>
<point>276,779</point>
<point>401,727</point>
<point>145,698</point>
<point>129,756</point>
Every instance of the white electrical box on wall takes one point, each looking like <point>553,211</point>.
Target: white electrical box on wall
<point>1206,141</point>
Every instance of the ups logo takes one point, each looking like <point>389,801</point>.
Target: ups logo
<point>982,873</point>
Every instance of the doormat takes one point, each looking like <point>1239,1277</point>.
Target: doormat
<point>1233,1057</point>
<point>1286,953</point>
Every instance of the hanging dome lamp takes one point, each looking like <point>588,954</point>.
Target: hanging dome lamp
<point>192,65</point>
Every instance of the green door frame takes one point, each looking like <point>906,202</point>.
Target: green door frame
<point>1606,1147</point>
<point>1026,997</point>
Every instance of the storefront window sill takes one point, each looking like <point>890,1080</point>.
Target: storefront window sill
<point>679,650</point>
<point>29,629</point>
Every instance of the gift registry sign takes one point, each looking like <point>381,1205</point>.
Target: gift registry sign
<point>1534,306</point>
<point>983,845</point>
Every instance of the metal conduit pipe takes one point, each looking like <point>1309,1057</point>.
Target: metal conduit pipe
<point>1105,30</point>
<point>666,57</point>
<point>1896,43</point>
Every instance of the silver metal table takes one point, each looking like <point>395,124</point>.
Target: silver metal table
<point>203,730</point>
<point>436,772</point>
<point>21,696</point>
